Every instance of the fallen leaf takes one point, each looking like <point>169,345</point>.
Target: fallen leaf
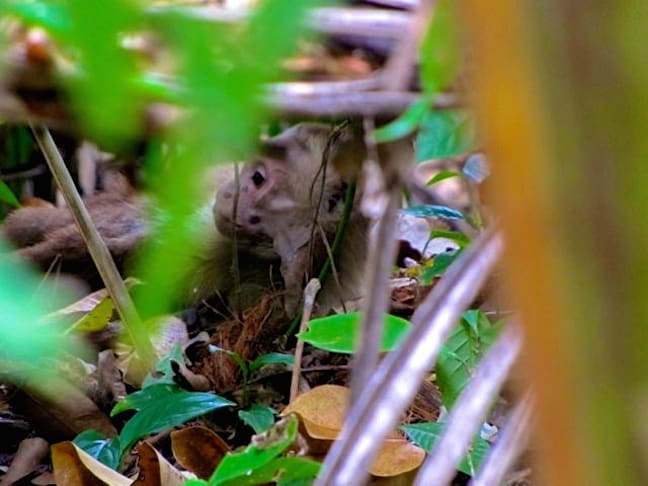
<point>198,449</point>
<point>74,467</point>
<point>155,470</point>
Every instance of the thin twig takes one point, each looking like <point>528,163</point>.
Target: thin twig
<point>309,299</point>
<point>510,443</point>
<point>397,379</point>
<point>470,409</point>
<point>382,255</point>
<point>97,248</point>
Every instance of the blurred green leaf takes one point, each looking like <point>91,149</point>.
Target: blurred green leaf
<point>271,358</point>
<point>106,451</point>
<point>54,17</point>
<point>433,211</point>
<point>405,124</point>
<point>442,176</point>
<point>7,195</point>
<point>459,238</point>
<point>104,94</point>
<point>238,466</point>
<point>462,352</point>
<point>259,417</point>
<point>445,134</point>
<point>24,299</point>
<point>426,435</point>
<point>338,333</point>
<point>289,471</point>
<point>440,50</point>
<point>161,407</point>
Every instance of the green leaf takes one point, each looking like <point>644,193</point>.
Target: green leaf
<point>426,434</point>
<point>440,264</point>
<point>95,320</point>
<point>271,358</point>
<point>282,470</point>
<point>440,50</point>
<point>266,447</point>
<point>163,372</point>
<point>338,333</point>
<point>7,195</point>
<point>433,211</point>
<point>106,451</point>
<point>442,176</point>
<point>232,354</point>
<point>445,134</point>
<point>462,352</point>
<point>104,94</point>
<point>162,407</point>
<point>459,238</point>
<point>405,124</point>
<point>259,417</point>
<point>54,18</point>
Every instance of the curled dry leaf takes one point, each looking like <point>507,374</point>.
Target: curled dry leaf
<point>198,449</point>
<point>155,470</point>
<point>74,467</point>
<point>322,411</point>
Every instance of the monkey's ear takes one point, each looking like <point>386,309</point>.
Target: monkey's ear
<point>302,134</point>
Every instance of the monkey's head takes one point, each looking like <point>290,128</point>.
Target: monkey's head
<point>281,192</point>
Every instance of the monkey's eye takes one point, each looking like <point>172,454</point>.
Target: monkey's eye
<point>332,203</point>
<point>258,177</point>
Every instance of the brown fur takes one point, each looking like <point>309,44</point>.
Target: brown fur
<point>284,205</point>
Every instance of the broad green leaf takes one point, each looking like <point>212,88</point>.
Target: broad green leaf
<point>442,176</point>
<point>259,417</point>
<point>459,238</point>
<point>282,470</point>
<point>405,124</point>
<point>433,211</point>
<point>161,407</point>
<point>271,358</point>
<point>106,451</point>
<point>338,333</point>
<point>163,372</point>
<point>440,264</point>
<point>440,50</point>
<point>239,465</point>
<point>445,134</point>
<point>426,434</point>
<point>7,195</point>
<point>462,352</point>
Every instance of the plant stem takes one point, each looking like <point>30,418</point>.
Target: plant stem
<point>97,247</point>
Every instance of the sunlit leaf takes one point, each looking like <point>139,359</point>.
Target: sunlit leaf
<point>338,333</point>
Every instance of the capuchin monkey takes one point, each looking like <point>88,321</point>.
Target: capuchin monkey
<point>272,225</point>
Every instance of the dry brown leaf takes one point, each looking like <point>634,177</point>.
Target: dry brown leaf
<point>74,467</point>
<point>29,455</point>
<point>397,456</point>
<point>198,449</point>
<point>322,410</point>
<point>155,470</point>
